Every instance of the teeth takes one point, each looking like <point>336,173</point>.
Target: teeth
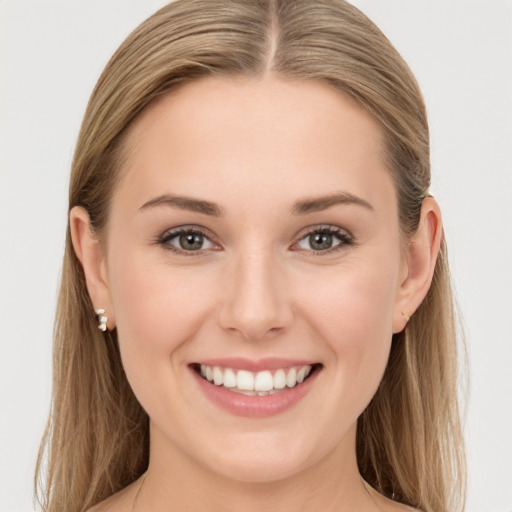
<point>229,378</point>
<point>279,379</point>
<point>218,376</point>
<point>264,381</point>
<point>245,380</point>
<point>255,384</point>
<point>291,378</point>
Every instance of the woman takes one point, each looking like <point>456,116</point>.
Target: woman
<point>255,307</point>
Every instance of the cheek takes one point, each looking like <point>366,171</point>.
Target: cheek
<point>351,313</point>
<point>158,308</point>
<point>351,302</point>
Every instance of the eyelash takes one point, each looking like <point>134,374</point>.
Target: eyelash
<point>344,238</point>
<point>166,237</point>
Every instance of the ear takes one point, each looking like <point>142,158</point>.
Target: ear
<point>421,256</point>
<point>91,255</point>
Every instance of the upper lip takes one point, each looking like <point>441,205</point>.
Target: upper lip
<point>255,365</point>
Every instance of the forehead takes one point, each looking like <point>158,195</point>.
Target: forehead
<point>269,137</point>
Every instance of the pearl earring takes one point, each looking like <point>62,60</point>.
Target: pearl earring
<point>102,320</point>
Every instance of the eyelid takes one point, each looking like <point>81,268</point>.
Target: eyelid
<point>346,238</point>
<point>323,227</point>
<point>171,233</point>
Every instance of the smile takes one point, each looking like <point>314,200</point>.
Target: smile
<point>266,382</point>
<point>255,390</point>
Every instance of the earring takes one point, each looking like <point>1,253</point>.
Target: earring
<point>407,318</point>
<point>102,320</point>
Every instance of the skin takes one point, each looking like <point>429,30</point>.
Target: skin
<point>256,289</point>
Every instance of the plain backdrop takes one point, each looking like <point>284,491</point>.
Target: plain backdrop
<point>52,53</point>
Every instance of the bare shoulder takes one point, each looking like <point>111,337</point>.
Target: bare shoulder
<point>121,501</point>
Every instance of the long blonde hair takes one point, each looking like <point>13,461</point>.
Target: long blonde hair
<point>409,439</point>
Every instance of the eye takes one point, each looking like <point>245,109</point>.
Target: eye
<point>325,239</point>
<point>186,240</point>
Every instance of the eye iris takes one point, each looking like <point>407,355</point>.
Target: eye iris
<point>191,241</point>
<point>320,241</point>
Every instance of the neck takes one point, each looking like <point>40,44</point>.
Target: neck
<point>175,481</point>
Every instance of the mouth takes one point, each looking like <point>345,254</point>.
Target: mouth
<point>262,383</point>
<point>265,392</point>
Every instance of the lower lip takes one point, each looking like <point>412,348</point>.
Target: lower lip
<point>255,406</point>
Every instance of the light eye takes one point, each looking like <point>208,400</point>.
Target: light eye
<point>187,240</point>
<point>324,240</point>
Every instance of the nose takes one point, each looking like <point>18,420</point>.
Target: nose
<point>255,302</point>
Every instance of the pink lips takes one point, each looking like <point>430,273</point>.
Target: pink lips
<point>254,406</point>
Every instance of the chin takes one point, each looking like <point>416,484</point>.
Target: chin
<point>261,458</point>
<point>258,469</point>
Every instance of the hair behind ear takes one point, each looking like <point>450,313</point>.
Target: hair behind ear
<point>415,410</point>
<point>88,380</point>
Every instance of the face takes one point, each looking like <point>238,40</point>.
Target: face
<point>254,243</point>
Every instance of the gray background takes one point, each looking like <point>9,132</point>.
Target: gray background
<point>52,52</point>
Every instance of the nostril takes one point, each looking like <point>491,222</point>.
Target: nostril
<point>255,310</point>
<point>260,334</point>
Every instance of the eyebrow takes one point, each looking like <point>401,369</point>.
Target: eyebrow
<point>302,207</point>
<point>185,203</point>
<point>319,204</point>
